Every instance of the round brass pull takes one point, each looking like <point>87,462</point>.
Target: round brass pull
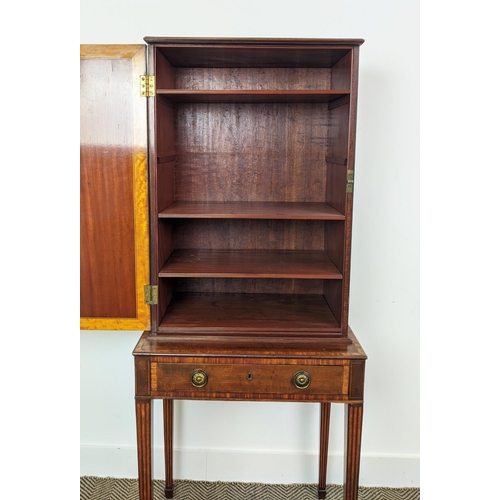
<point>301,380</point>
<point>199,378</point>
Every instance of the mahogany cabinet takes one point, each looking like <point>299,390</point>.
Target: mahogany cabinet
<point>250,165</point>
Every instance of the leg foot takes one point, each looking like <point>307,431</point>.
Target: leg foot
<point>168,426</point>
<point>352,454</point>
<point>144,448</point>
<point>323,448</point>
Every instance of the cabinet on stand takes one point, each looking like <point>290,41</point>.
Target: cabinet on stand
<point>230,247</point>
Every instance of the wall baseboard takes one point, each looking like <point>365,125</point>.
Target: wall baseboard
<point>250,466</point>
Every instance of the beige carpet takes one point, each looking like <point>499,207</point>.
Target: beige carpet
<point>99,488</point>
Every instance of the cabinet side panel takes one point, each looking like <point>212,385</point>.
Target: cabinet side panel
<point>165,73</point>
<point>113,189</point>
<point>163,168</point>
<point>349,196</point>
<point>340,160</point>
<point>341,73</point>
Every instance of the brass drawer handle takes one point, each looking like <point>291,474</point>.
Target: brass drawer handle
<point>199,378</point>
<point>301,380</point>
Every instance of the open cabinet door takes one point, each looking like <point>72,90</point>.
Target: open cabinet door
<point>114,242</point>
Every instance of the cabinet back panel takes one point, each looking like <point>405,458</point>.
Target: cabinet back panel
<point>248,234</point>
<point>251,152</point>
<point>248,285</point>
<point>269,55</point>
<point>253,78</point>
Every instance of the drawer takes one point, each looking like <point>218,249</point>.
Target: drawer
<point>249,379</point>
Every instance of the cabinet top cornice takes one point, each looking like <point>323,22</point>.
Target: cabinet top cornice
<point>255,41</point>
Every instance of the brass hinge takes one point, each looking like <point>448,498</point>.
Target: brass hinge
<point>350,180</point>
<point>151,295</point>
<point>148,86</point>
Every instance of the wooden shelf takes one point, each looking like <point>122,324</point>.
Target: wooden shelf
<point>250,210</point>
<point>252,96</point>
<point>249,264</point>
<point>235,314</point>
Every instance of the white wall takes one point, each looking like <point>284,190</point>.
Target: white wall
<point>278,442</point>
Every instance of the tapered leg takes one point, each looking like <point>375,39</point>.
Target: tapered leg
<point>323,448</point>
<point>143,420</point>
<point>352,454</point>
<point>168,427</point>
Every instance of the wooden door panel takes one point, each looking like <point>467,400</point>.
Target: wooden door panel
<point>114,243</point>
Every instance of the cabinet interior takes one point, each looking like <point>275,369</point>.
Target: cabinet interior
<point>248,190</point>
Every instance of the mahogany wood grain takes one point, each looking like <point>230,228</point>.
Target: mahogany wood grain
<point>336,182</point>
<point>106,189</point>
<point>249,234</point>
<point>165,242</point>
<point>161,99</point>
<point>165,294</point>
<point>164,185</point>
<point>336,161</point>
<point>165,139</point>
<point>252,96</point>
<point>235,314</point>
<point>250,42</point>
<point>165,176</point>
<point>165,246</point>
<point>156,313</point>
<point>336,186</point>
<point>165,348</point>
<point>249,285</point>
<point>341,72</point>
<point>165,73</point>
<point>142,376</point>
<point>195,263</point>
<point>344,357</point>
<point>281,53</point>
<point>332,291</point>
<point>166,158</point>
<point>250,210</point>
<point>352,451</point>
<point>357,380</point>
<point>254,79</point>
<point>253,396</point>
<point>144,448</point>
<point>338,138</point>
<point>323,448</point>
<point>251,152</point>
<point>334,242</point>
<point>341,101</point>
<point>319,341</point>
<point>351,148</point>
<point>165,171</point>
<point>257,379</point>
<point>263,57</point>
<point>168,430</point>
<point>334,248</point>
